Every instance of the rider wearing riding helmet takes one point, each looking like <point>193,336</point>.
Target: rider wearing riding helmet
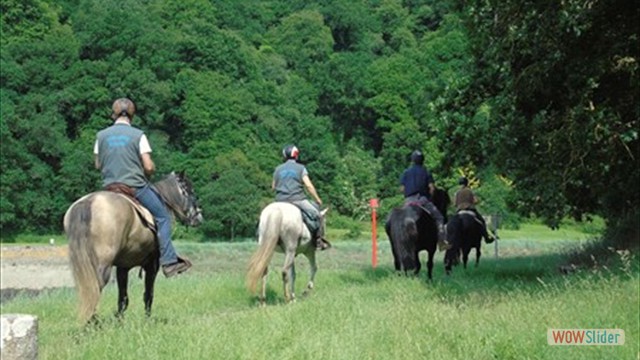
<point>465,199</point>
<point>123,155</point>
<point>290,179</point>
<point>418,186</point>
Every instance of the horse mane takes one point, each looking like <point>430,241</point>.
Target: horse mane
<point>442,201</point>
<point>169,189</point>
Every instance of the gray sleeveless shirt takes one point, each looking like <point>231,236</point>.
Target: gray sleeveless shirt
<point>119,156</point>
<point>288,181</point>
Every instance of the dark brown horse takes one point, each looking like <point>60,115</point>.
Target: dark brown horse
<point>465,233</point>
<point>412,229</point>
<point>107,229</point>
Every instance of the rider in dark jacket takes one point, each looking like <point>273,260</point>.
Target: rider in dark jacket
<point>418,186</point>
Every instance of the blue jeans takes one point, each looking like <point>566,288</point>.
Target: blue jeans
<point>152,201</point>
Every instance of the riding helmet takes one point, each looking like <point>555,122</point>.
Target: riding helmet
<point>463,181</point>
<point>290,152</point>
<point>123,107</point>
<point>417,157</point>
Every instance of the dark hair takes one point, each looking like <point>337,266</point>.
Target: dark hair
<point>463,181</point>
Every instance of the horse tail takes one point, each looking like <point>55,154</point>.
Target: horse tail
<point>408,252</point>
<point>404,233</point>
<point>269,234</point>
<point>84,262</point>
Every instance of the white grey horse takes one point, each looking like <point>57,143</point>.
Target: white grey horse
<point>281,229</point>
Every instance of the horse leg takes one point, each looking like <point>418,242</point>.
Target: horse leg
<point>313,268</point>
<point>263,291</point>
<point>122,276</point>
<point>478,253</point>
<point>465,256</point>
<point>396,258</point>
<point>417,262</point>
<point>150,273</point>
<point>430,263</point>
<point>288,274</point>
<point>448,262</point>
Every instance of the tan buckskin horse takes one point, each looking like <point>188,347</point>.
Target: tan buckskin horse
<point>108,229</point>
<point>281,229</point>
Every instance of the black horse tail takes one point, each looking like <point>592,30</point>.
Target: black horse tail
<point>454,228</point>
<point>84,262</point>
<point>409,250</point>
<point>404,234</point>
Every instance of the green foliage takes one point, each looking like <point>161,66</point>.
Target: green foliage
<point>303,39</point>
<point>562,98</point>
<point>231,202</point>
<point>541,95</point>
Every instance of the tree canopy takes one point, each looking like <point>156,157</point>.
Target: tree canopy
<point>539,101</point>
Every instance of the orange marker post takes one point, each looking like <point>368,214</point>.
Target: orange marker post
<point>373,203</point>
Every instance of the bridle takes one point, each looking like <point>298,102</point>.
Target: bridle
<point>186,204</point>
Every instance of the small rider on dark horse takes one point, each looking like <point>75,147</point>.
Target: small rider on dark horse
<point>418,187</point>
<point>290,179</point>
<point>466,200</point>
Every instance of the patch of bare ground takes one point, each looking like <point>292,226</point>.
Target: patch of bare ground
<point>31,269</point>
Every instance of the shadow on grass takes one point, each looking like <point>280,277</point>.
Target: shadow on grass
<point>495,275</point>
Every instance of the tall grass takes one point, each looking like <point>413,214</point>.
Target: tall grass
<point>500,310</point>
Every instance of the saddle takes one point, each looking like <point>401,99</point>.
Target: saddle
<point>310,221</point>
<point>472,213</point>
<point>313,224</point>
<point>420,204</point>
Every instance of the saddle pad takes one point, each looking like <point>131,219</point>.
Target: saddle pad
<point>469,212</point>
<point>145,215</point>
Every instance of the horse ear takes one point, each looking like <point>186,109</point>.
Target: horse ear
<point>324,212</point>
<point>181,174</point>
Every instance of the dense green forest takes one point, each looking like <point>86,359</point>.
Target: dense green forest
<point>536,101</point>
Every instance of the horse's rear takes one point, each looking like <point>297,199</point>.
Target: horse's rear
<point>464,233</point>
<point>103,230</point>
<point>281,229</point>
<point>410,230</point>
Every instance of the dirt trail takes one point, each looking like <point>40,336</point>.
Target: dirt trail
<point>33,268</point>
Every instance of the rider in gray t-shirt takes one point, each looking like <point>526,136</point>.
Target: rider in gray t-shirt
<point>290,179</point>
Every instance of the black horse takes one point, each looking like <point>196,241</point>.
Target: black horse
<point>465,233</point>
<point>411,229</point>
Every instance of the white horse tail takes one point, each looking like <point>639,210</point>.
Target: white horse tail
<point>84,262</point>
<point>269,234</point>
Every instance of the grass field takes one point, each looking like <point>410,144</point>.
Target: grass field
<point>501,310</point>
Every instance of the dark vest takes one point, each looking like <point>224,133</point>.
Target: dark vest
<point>288,181</point>
<point>119,156</point>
